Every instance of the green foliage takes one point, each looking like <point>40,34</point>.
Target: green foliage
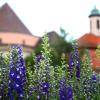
<point>3,75</point>
<point>58,47</point>
<point>48,81</point>
<point>29,61</point>
<point>57,72</point>
<point>86,65</point>
<point>43,72</point>
<point>82,88</point>
<point>63,32</point>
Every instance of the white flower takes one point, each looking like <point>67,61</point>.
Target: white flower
<point>18,76</point>
<point>17,69</point>
<point>45,86</point>
<point>20,72</point>
<point>12,74</point>
<point>21,95</point>
<point>38,97</point>
<point>17,85</point>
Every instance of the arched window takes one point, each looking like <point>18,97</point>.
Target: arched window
<point>98,24</point>
<point>90,25</point>
<point>0,40</point>
<point>23,42</point>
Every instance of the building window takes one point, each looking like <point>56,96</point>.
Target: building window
<point>23,42</point>
<point>98,24</point>
<point>0,40</point>
<point>90,25</point>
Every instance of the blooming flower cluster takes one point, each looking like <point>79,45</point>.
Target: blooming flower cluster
<point>45,88</point>
<point>17,74</point>
<point>42,86</point>
<point>41,77</point>
<point>94,76</point>
<point>39,57</point>
<point>41,90</point>
<point>65,91</point>
<point>91,85</point>
<point>74,63</point>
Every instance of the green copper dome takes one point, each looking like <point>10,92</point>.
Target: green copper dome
<point>94,12</point>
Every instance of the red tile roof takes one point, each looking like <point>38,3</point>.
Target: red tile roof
<point>9,22</point>
<point>88,41</point>
<point>13,31</point>
<point>16,38</point>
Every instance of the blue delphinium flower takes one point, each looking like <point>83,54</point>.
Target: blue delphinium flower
<point>41,90</point>
<point>90,85</point>
<point>65,91</point>
<point>77,62</point>
<point>39,57</point>
<point>94,76</point>
<point>78,69</point>
<point>45,88</point>
<point>62,89</point>
<point>69,93</point>
<point>71,62</point>
<point>17,74</point>
<point>62,82</point>
<point>94,83</point>
<point>74,62</point>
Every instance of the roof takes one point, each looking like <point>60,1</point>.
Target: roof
<point>9,22</point>
<point>54,38</point>
<point>94,12</point>
<point>88,41</point>
<point>21,39</point>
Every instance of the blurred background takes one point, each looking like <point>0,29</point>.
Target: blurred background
<point>49,15</point>
<point>25,22</point>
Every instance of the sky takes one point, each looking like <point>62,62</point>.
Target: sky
<point>41,16</point>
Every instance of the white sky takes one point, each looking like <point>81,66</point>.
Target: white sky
<point>48,15</point>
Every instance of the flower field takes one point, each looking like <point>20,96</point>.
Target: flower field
<point>69,81</point>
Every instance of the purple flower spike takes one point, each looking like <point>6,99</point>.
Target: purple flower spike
<point>17,73</point>
<point>45,88</point>
<point>66,93</point>
<point>70,93</point>
<point>71,62</point>
<point>78,71</point>
<point>94,76</point>
<point>75,62</point>
<point>39,57</point>
<point>63,94</point>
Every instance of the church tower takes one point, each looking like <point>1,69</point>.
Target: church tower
<point>91,40</point>
<point>95,22</point>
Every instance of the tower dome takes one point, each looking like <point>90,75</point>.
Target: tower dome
<point>94,12</point>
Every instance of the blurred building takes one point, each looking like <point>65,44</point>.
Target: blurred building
<point>92,39</point>
<point>13,31</point>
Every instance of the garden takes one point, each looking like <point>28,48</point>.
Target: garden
<point>69,80</point>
